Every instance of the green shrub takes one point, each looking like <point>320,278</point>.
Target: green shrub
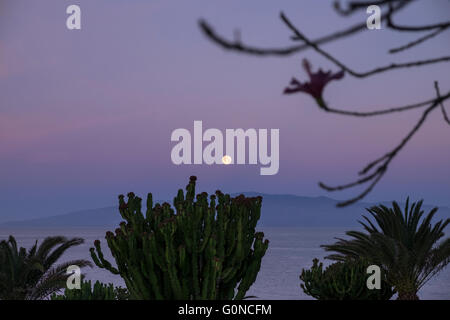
<point>100,291</point>
<point>342,281</point>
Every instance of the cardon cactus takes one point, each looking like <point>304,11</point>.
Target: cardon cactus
<point>100,291</point>
<point>197,250</point>
<point>342,281</point>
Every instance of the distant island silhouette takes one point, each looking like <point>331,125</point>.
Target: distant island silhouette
<point>277,211</point>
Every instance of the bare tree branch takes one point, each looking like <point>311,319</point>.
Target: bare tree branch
<point>392,66</point>
<point>382,168</point>
<point>375,170</point>
<point>237,45</point>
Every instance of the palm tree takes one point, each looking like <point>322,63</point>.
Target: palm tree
<point>405,246</point>
<point>32,274</point>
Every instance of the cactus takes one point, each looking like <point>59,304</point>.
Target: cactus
<point>100,291</point>
<point>197,250</point>
<point>342,281</point>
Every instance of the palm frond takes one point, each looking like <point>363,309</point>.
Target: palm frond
<point>405,243</point>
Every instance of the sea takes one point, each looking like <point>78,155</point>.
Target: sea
<point>290,250</point>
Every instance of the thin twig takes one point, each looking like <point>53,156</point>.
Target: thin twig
<point>358,5</point>
<point>397,27</point>
<point>351,184</point>
<point>418,41</point>
<point>238,46</point>
<point>365,193</point>
<point>444,113</point>
<point>379,112</point>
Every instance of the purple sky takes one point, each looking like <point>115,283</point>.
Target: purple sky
<point>86,115</point>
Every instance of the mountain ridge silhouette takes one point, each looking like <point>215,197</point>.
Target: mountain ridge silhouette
<point>278,210</point>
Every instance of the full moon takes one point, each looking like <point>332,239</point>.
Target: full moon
<point>226,159</point>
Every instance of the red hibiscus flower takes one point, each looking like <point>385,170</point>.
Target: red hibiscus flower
<point>316,84</point>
